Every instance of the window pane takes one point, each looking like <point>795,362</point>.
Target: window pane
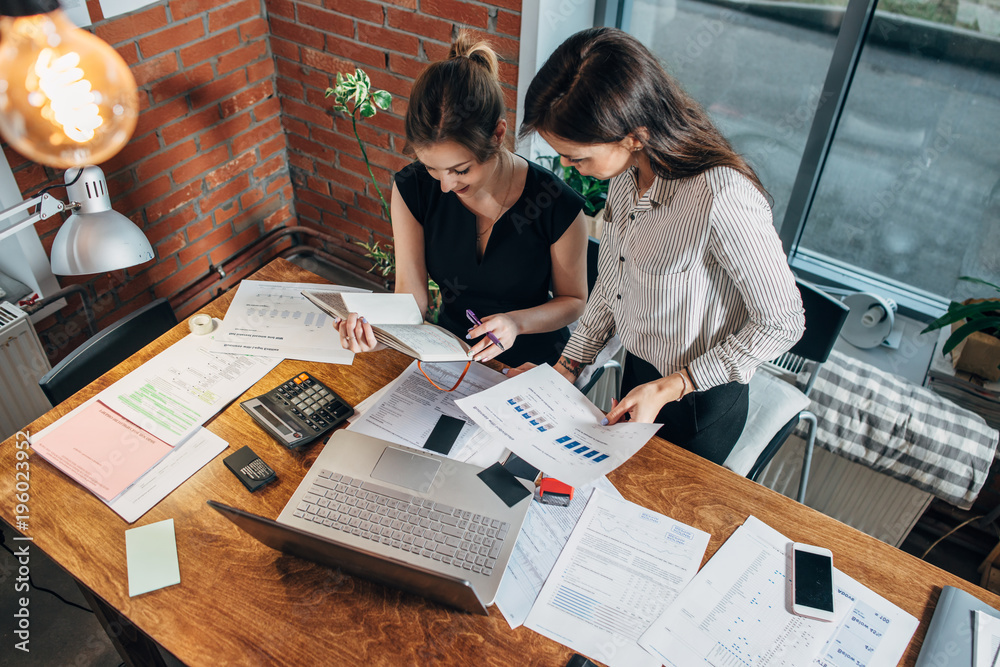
<point>758,73</point>
<point>911,190</point>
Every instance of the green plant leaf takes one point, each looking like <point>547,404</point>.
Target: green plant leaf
<point>367,109</point>
<point>970,327</point>
<point>958,312</point>
<point>979,281</point>
<point>382,99</point>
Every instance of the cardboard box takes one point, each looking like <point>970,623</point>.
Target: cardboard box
<point>978,354</point>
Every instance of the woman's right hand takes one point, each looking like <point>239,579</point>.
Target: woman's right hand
<point>356,334</point>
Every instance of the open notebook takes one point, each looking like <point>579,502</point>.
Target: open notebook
<point>396,321</point>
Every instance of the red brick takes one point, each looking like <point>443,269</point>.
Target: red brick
<point>219,89</point>
<point>209,48</point>
<point>144,281</point>
<point>275,144</point>
<point>268,168</point>
<point>173,201</point>
<point>390,161</point>
<point>95,11</point>
<point>354,51</point>
<point>289,89</point>
<point>182,9</point>
<point>388,39</point>
<point>282,48</point>
<point>509,23</point>
<point>505,47</point>
<point>294,126</point>
<point>260,70</point>
<point>250,198</point>
<point>368,11</point>
<point>318,185</point>
<point>224,213</point>
<point>283,8</point>
<point>269,108</point>
<point>435,51</point>
<point>154,69</point>
<point>370,136</point>
<point>174,224</point>
<point>182,84</point>
<point>357,165</point>
<point>129,53</point>
<point>189,126</point>
<point>296,33</point>
<point>224,131</point>
<point>229,170</point>
<point>407,4</point>
<point>278,218</point>
<point>253,29</point>
<point>157,116</point>
<point>215,197</point>
<point>234,245</point>
<point>340,178</point>
<point>248,140</point>
<point>199,229</point>
<point>170,38</point>
<point>181,279</point>
<point>133,200</point>
<point>388,121</point>
<point>170,245</point>
<point>201,164</point>
<point>227,16</point>
<point>508,74</point>
<point>325,62</point>
<point>420,24</point>
<point>514,5</point>
<point>203,245</point>
<point>309,147</point>
<point>160,164</point>
<point>394,84</point>
<point>455,10</point>
<point>241,57</point>
<point>405,66</point>
<point>247,98</point>
<point>307,113</point>
<point>128,28</point>
<point>325,21</point>
<point>135,150</point>
<point>334,140</point>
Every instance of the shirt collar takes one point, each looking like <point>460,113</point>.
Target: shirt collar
<point>659,193</point>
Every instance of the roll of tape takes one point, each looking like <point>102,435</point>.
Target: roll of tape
<point>201,324</point>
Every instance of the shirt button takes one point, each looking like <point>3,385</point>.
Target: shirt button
<point>631,216</point>
<point>621,258</point>
<point>618,296</point>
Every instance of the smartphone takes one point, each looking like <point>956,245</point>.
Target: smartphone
<point>812,582</point>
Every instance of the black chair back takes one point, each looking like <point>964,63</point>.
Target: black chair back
<point>825,317</point>
<point>107,349</point>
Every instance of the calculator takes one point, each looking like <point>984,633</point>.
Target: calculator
<point>298,411</point>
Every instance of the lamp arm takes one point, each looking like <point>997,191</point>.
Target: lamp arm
<point>47,207</point>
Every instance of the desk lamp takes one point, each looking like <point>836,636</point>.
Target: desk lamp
<point>95,238</point>
<point>67,99</point>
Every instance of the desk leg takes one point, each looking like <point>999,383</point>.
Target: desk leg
<point>135,648</point>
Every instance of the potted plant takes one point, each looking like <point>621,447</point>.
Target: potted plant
<point>593,190</point>
<point>974,342</point>
<point>353,95</point>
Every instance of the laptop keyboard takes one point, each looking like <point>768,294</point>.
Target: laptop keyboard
<point>462,539</point>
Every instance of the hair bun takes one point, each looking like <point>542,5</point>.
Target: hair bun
<point>478,51</point>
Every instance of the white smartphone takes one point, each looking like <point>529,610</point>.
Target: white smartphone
<point>812,582</point>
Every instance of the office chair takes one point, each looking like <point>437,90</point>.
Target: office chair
<point>776,404</point>
<point>107,349</point>
<point>588,379</point>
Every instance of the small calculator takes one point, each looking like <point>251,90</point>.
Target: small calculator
<point>298,411</point>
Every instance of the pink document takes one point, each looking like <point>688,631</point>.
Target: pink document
<point>101,450</point>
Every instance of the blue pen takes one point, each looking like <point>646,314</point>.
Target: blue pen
<point>475,320</point>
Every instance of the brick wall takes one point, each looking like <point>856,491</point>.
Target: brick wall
<point>235,137</point>
<point>393,42</point>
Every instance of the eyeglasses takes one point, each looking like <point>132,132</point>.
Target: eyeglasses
<point>461,377</point>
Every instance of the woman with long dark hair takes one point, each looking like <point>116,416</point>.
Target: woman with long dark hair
<point>495,231</point>
<point>692,275</point>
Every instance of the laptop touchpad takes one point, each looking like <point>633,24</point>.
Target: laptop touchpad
<point>402,468</point>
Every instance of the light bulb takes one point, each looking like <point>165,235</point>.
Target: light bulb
<point>67,99</point>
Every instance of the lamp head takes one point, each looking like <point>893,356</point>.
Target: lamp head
<point>95,239</point>
<point>67,99</point>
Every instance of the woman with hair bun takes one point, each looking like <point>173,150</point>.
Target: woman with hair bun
<point>692,275</point>
<point>495,231</point>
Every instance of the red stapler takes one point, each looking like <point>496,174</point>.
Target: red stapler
<point>553,492</point>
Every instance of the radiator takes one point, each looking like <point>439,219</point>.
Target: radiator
<point>852,493</point>
<point>22,363</point>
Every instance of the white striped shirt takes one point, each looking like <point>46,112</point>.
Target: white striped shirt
<point>691,274</point>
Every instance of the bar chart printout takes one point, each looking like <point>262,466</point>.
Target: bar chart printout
<point>622,565</point>
<point>733,614</point>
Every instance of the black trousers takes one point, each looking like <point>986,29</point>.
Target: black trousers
<point>707,423</point>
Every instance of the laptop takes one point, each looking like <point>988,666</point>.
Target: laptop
<point>399,516</point>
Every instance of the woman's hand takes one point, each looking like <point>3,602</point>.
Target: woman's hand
<point>356,334</point>
<point>502,326</point>
<point>644,403</point>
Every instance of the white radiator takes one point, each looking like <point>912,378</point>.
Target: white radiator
<point>876,504</point>
<point>22,363</point>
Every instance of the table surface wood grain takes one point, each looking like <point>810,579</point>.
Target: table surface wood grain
<point>240,602</point>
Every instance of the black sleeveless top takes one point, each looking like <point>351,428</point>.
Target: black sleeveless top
<point>516,270</point>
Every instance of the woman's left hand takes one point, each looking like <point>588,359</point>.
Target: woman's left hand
<point>502,326</point>
<point>644,403</point>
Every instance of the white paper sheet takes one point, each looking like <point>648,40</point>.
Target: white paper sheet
<point>410,407</point>
<point>187,458</point>
<point>112,8</point>
<point>986,631</point>
<point>623,564</point>
<point>272,319</point>
<point>77,12</point>
<point>735,613</point>
<point>182,387</point>
<point>545,532</point>
<point>875,632</point>
<point>546,421</point>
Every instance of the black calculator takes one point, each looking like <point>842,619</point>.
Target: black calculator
<point>298,411</point>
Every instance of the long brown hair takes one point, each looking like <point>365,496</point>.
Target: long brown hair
<point>602,84</point>
<point>458,99</point>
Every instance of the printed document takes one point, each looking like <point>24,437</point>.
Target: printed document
<point>182,387</point>
<point>623,564</point>
<point>734,612</point>
<point>986,630</point>
<point>546,421</point>
<point>544,534</point>
<point>408,408</point>
<point>271,319</point>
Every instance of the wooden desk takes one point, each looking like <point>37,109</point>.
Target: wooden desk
<point>241,603</point>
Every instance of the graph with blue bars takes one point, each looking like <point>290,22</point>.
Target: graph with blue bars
<point>583,450</point>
